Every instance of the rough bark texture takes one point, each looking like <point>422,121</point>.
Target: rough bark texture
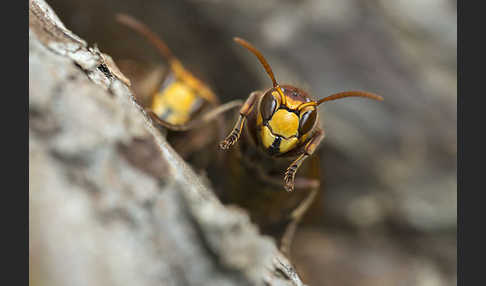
<point>110,202</point>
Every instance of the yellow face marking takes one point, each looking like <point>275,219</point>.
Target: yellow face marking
<point>307,104</point>
<point>293,104</point>
<point>283,99</point>
<point>267,137</point>
<point>304,109</point>
<point>284,123</point>
<point>177,101</point>
<point>288,144</point>
<point>259,119</point>
<point>276,95</point>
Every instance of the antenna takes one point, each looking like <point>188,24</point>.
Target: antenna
<point>265,64</point>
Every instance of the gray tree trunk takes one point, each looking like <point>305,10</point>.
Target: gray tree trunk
<point>100,215</point>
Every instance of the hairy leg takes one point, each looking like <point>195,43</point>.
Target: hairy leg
<point>309,149</point>
<point>244,112</point>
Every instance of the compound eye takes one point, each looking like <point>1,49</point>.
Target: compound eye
<point>268,106</point>
<point>307,121</point>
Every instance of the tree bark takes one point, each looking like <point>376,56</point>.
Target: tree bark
<point>110,202</point>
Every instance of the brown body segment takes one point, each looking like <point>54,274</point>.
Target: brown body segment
<point>254,183</point>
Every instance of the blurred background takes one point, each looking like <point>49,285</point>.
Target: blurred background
<point>387,211</point>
